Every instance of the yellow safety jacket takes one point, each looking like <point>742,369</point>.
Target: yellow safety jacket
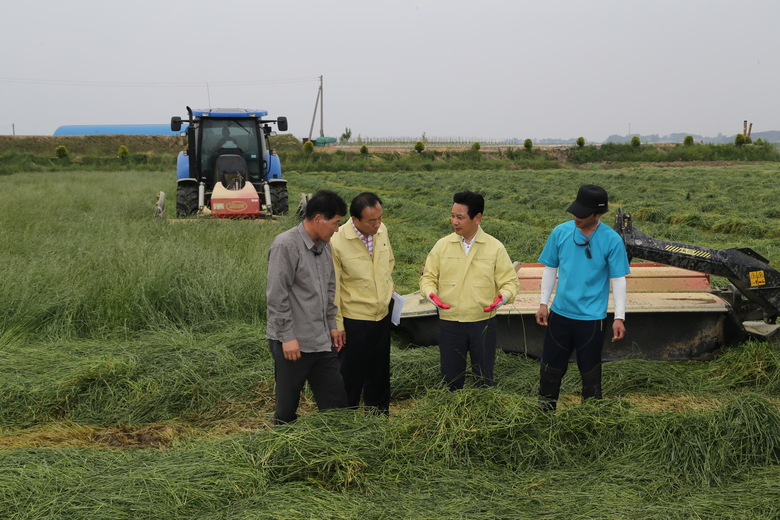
<point>469,283</point>
<point>364,285</point>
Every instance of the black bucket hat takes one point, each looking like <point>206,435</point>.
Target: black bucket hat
<point>590,199</point>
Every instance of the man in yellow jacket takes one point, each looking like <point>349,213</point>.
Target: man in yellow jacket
<point>364,261</point>
<point>468,275</point>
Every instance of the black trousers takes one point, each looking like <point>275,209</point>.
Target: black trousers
<point>562,337</point>
<point>320,369</point>
<point>365,363</point>
<point>477,340</point>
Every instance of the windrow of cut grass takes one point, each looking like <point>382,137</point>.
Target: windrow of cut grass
<point>469,454</point>
<point>173,375</point>
<point>700,448</point>
<point>227,375</point>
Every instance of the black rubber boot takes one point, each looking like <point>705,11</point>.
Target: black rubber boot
<point>549,387</point>
<point>591,384</point>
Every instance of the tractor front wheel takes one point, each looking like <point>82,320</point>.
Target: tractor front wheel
<point>279,202</point>
<point>186,201</point>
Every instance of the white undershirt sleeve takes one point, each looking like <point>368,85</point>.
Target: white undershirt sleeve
<point>619,297</point>
<point>548,283</point>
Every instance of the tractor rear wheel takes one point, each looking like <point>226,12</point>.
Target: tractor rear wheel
<point>186,201</point>
<point>279,203</point>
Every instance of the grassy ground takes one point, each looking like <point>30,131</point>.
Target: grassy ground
<point>135,380</point>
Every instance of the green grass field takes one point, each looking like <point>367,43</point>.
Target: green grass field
<point>135,380</point>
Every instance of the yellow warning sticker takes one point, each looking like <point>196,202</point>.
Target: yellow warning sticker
<point>757,278</point>
<point>688,251</point>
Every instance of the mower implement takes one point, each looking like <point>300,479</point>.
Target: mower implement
<point>238,203</point>
<point>670,314</point>
<point>672,311</point>
<point>749,272</point>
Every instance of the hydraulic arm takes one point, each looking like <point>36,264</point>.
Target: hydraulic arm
<point>748,271</point>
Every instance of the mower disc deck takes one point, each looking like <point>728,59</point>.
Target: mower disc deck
<point>670,314</point>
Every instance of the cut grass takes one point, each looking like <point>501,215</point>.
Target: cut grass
<point>135,379</point>
<point>226,377</point>
<point>471,454</point>
<point>84,258</point>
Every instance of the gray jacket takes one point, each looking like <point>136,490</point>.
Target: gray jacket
<point>300,291</point>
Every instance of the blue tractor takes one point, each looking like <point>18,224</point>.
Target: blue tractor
<point>229,167</point>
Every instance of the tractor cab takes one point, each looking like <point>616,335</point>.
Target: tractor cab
<point>229,148</point>
<point>228,138</point>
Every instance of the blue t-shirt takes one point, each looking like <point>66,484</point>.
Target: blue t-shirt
<point>583,283</point>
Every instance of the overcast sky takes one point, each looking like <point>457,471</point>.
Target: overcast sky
<point>489,69</point>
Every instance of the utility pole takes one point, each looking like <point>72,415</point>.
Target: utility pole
<point>319,102</point>
<point>13,128</point>
<point>322,109</point>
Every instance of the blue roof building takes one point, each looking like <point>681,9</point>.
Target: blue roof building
<point>117,130</point>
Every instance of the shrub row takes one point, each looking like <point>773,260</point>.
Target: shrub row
<point>307,158</point>
<point>618,152</point>
<point>62,160</point>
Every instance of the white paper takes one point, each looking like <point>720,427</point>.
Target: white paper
<point>398,307</point>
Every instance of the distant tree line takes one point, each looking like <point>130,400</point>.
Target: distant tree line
<point>772,136</point>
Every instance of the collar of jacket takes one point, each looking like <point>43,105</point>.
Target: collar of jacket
<point>351,233</point>
<point>307,241</point>
<point>479,237</point>
<point>349,230</point>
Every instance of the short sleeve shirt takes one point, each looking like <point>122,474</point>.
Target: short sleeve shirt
<point>583,283</point>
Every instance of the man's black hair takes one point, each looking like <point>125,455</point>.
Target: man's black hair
<point>474,201</point>
<point>326,203</point>
<point>363,201</point>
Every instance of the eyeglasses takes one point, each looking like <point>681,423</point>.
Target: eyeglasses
<point>586,244</point>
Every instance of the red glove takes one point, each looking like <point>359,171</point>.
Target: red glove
<point>436,301</point>
<point>499,301</point>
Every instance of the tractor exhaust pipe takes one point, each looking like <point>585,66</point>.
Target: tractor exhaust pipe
<point>267,193</point>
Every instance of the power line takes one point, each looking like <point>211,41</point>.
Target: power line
<point>74,83</point>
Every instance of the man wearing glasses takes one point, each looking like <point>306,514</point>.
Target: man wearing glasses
<point>364,261</point>
<point>584,255</point>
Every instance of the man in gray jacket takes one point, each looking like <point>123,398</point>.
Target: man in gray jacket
<point>301,329</point>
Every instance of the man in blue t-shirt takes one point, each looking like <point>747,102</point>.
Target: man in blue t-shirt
<point>585,255</point>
